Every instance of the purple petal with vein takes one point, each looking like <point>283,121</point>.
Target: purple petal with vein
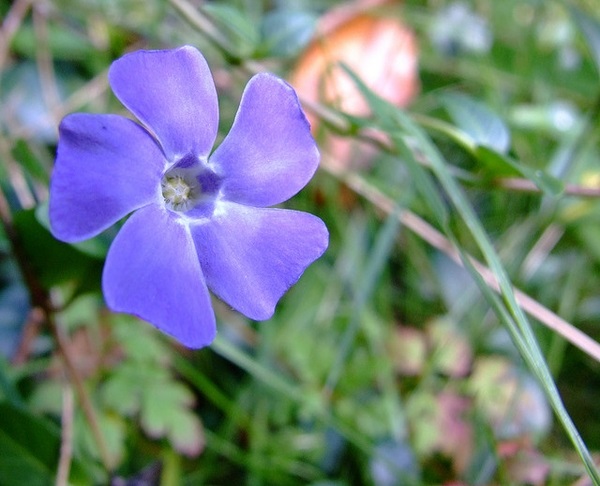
<point>171,92</point>
<point>152,271</point>
<point>269,154</point>
<point>106,167</point>
<point>251,256</point>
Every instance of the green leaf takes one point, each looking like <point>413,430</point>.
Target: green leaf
<point>64,44</point>
<point>164,413</point>
<point>505,166</point>
<point>237,28</point>
<point>52,261</point>
<point>590,27</point>
<point>481,124</point>
<point>113,430</point>
<point>452,353</point>
<point>510,398</point>
<point>27,158</point>
<point>286,31</point>
<point>96,247</point>
<point>8,390</point>
<point>120,392</point>
<point>144,347</point>
<point>125,389</point>
<point>185,433</point>
<point>47,398</point>
<point>494,163</point>
<point>29,448</point>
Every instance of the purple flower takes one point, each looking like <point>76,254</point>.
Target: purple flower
<point>199,222</point>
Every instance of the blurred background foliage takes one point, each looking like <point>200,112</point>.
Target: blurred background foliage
<point>443,125</point>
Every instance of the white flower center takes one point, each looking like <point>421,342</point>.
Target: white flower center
<point>180,193</point>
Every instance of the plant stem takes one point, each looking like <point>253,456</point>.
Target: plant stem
<point>10,25</point>
<point>66,443</point>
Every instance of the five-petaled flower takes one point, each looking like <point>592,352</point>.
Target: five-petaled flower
<point>200,221</point>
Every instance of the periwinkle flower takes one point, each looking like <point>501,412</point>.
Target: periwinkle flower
<point>200,221</point>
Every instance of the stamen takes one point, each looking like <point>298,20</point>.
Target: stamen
<point>179,193</point>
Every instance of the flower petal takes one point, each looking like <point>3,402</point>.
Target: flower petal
<point>251,256</point>
<point>269,154</point>
<point>171,92</point>
<point>106,167</point>
<point>152,271</point>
